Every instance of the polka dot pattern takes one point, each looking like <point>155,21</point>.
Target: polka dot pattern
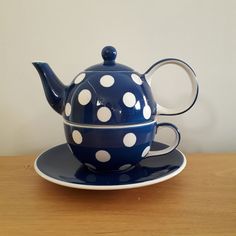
<point>136,79</point>
<point>129,140</point>
<point>129,99</point>
<point>79,78</point>
<point>104,114</point>
<point>84,97</point>
<point>107,81</point>
<point>146,151</point>
<point>68,109</point>
<point>102,156</point>
<point>104,99</point>
<point>77,137</point>
<point>110,97</point>
<point>147,112</point>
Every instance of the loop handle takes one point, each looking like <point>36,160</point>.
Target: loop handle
<point>170,148</point>
<point>162,110</point>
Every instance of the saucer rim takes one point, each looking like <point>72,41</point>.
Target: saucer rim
<point>108,187</point>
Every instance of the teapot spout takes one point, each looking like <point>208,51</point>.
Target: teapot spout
<point>54,89</point>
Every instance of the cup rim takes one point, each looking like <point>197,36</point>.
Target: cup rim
<point>89,126</point>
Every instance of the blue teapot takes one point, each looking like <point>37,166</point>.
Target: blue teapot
<point>109,112</point>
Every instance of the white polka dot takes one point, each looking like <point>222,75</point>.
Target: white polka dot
<point>129,99</point>
<point>103,156</point>
<point>104,114</point>
<point>107,81</point>
<point>68,109</point>
<point>124,167</point>
<point>90,166</point>
<point>77,137</point>
<point>79,78</point>
<point>84,97</point>
<point>129,140</point>
<point>136,79</point>
<point>147,112</point>
<point>145,151</point>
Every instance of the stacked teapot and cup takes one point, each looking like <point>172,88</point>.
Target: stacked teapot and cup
<point>109,113</point>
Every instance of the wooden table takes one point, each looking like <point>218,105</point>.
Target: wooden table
<point>199,201</point>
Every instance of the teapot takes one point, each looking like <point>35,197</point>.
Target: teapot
<point>109,112</point>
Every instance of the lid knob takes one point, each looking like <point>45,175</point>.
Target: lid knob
<point>109,54</point>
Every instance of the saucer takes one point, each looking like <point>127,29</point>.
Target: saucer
<point>58,165</point>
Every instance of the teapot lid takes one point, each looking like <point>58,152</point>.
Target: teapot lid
<point>109,54</point>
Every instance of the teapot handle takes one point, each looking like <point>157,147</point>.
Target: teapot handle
<point>161,110</point>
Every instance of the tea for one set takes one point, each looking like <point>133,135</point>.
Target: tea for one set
<point>110,121</point>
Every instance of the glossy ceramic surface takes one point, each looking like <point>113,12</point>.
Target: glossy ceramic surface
<point>113,148</point>
<point>110,149</point>
<point>110,98</point>
<point>59,166</point>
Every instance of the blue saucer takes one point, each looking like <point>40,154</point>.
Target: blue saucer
<point>58,165</point>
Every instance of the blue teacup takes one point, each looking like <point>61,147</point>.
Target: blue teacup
<point>115,148</point>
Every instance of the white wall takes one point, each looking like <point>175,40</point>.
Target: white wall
<point>69,35</point>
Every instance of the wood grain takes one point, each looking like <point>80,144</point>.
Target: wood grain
<point>199,201</point>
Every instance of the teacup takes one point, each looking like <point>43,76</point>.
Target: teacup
<point>115,148</point>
